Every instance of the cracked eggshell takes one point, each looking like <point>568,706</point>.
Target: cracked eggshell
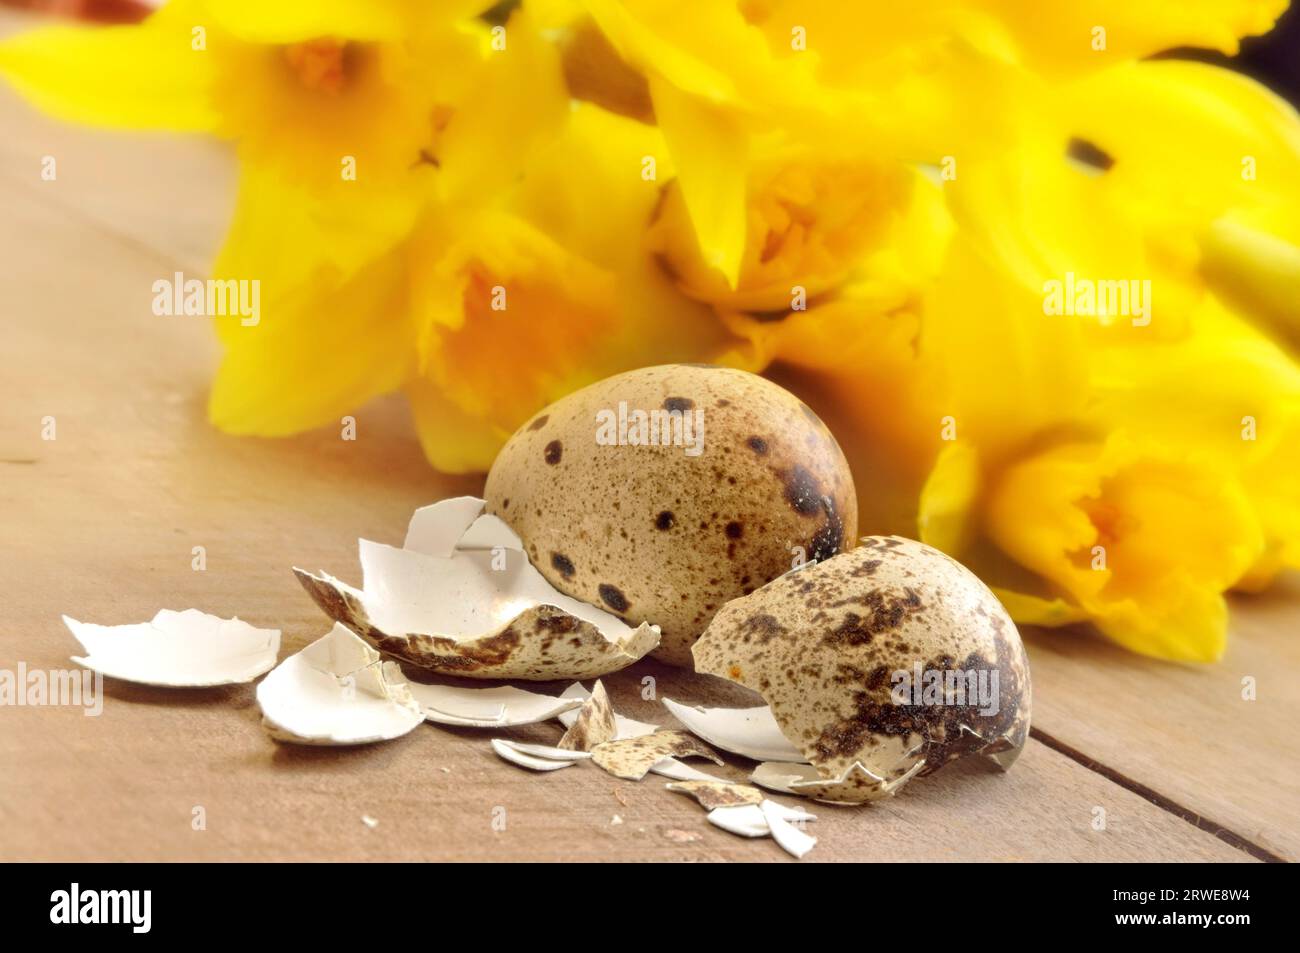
<point>337,691</point>
<point>633,758</point>
<point>460,598</point>
<point>823,646</point>
<point>624,727</point>
<point>656,534</point>
<point>792,840</point>
<point>536,757</point>
<point>855,785</point>
<point>679,771</point>
<point>748,820</point>
<point>749,732</point>
<point>501,706</point>
<point>189,649</point>
<point>715,794</point>
<point>594,725</point>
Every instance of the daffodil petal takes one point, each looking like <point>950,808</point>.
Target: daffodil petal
<point>1191,141</point>
<point>287,235</point>
<point>488,140</point>
<point>982,326</point>
<point>1032,514</point>
<point>1196,630</point>
<point>640,39</point>
<point>709,148</point>
<point>145,76</point>
<point>1239,391</point>
<point>453,441</point>
<point>1144,539</point>
<point>945,515</point>
<point>1028,609</point>
<point>257,21</point>
<point>317,356</point>
<point>1059,38</point>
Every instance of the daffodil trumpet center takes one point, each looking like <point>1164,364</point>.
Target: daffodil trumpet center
<point>322,65</point>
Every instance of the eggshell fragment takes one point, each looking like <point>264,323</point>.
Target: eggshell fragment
<point>749,732</point>
<point>792,840</point>
<point>189,649</point>
<point>501,706</point>
<point>672,768</point>
<point>337,691</point>
<point>828,645</point>
<point>594,725</point>
<point>460,598</point>
<point>855,785</point>
<point>549,752</point>
<point>631,728</point>
<point>534,760</point>
<point>624,727</point>
<point>734,475</point>
<point>712,794</point>
<point>632,759</point>
<point>747,820</point>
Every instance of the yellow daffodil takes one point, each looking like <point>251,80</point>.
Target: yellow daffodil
<point>318,355</point>
<point>1143,540</point>
<point>1055,38</point>
<point>722,76</point>
<point>1062,486</point>
<point>922,80</point>
<point>810,220</point>
<point>489,288</point>
<point>329,104</point>
<point>1238,399</point>
<point>853,353</point>
<point>376,312</point>
<point>1206,159</point>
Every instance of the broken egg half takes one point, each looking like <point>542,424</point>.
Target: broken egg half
<point>880,665</point>
<point>460,598</point>
<point>663,493</point>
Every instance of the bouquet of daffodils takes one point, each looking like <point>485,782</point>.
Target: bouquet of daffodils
<point>1045,287</point>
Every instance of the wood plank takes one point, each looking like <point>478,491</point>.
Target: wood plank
<point>100,523</point>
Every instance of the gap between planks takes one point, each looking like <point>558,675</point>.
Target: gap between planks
<point>1199,821</point>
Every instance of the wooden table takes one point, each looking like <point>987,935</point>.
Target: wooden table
<point>100,524</point>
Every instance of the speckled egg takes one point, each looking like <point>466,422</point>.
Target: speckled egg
<point>881,664</point>
<point>663,493</point>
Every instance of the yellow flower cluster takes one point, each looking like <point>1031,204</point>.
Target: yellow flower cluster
<point>1045,287</point>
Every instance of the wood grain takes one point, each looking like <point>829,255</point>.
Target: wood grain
<point>100,523</point>
<point>1187,731</point>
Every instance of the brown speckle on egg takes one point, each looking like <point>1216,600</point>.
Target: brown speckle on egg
<point>802,491</point>
<point>613,597</point>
